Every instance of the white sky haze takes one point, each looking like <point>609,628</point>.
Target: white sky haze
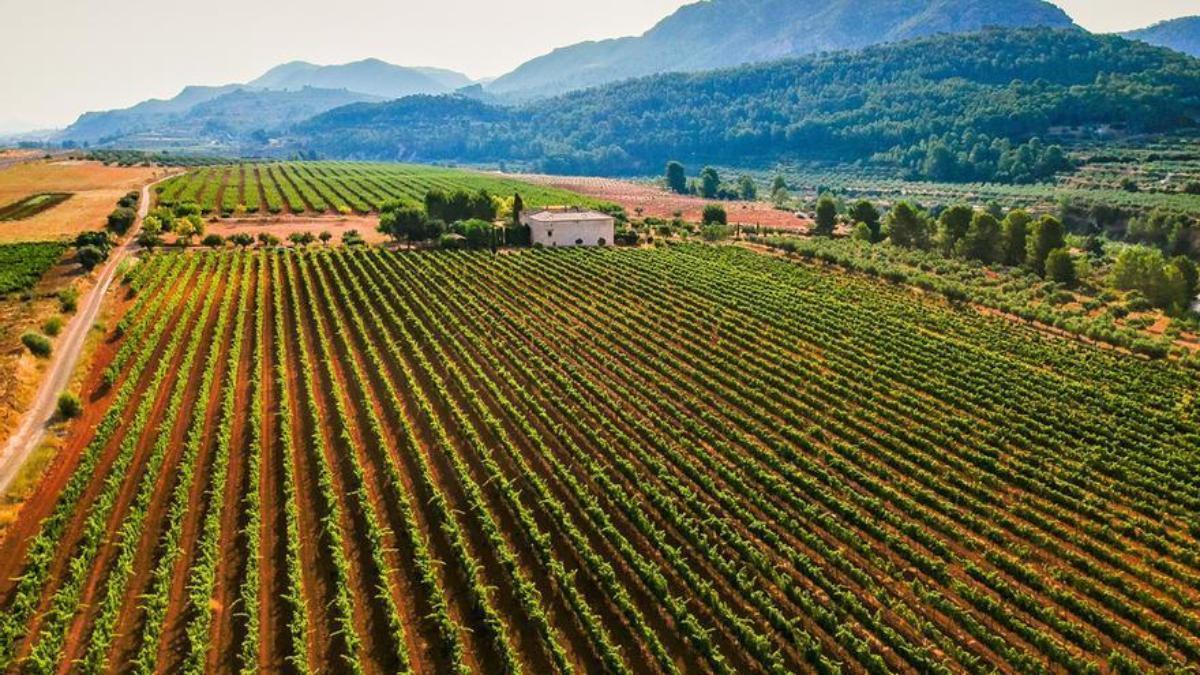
<point>59,58</point>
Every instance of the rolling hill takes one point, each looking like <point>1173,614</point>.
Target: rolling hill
<point>1182,35</point>
<point>280,97</point>
<point>982,96</point>
<point>721,33</point>
<point>370,76</point>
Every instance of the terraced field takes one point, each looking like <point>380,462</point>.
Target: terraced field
<point>685,459</point>
<point>339,187</point>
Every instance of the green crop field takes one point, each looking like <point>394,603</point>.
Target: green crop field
<point>339,187</point>
<point>31,206</point>
<point>22,265</point>
<point>677,459</point>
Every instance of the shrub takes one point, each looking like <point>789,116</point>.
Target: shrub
<point>68,299</point>
<point>121,219</point>
<point>39,345</point>
<point>89,257</point>
<point>69,406</point>
<point>714,214</point>
<point>213,241</point>
<point>53,326</point>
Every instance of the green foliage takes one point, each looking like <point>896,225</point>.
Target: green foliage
<point>121,219</point>
<point>405,223</point>
<point>68,299</point>
<point>90,256</point>
<point>39,345</point>
<point>714,214</point>
<point>32,205</point>
<point>1166,284</point>
<point>459,205</point>
<point>864,212</point>
<point>1015,237</point>
<point>710,183</point>
<point>826,220</point>
<point>1060,267</point>
<point>22,265</point>
<point>747,190</point>
<point>1045,235</point>
<point>907,227</point>
<point>983,240</point>
<point>53,326</point>
<point>952,226</point>
<point>241,239</point>
<point>213,241</point>
<point>676,178</point>
<point>69,406</point>
<point>964,107</point>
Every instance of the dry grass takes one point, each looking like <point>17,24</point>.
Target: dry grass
<point>96,188</point>
<point>282,226</point>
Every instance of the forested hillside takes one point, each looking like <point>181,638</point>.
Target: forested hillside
<point>724,33</point>
<point>1182,35</point>
<point>950,107</point>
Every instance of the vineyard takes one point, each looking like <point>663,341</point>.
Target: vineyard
<point>22,265</point>
<point>683,459</point>
<point>338,187</point>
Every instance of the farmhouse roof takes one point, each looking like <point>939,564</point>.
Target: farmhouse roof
<point>546,216</point>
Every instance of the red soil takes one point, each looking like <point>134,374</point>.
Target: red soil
<point>658,203</point>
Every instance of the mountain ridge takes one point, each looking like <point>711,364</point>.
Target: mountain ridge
<point>288,92</point>
<point>721,33</point>
<point>1182,34</point>
<point>982,96</point>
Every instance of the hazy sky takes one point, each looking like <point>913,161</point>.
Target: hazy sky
<point>59,58</point>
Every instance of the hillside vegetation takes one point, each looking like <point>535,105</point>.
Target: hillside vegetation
<point>723,33</point>
<point>950,107</point>
<point>1182,35</point>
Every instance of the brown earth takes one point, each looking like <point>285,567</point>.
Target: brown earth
<point>658,203</point>
<point>95,189</point>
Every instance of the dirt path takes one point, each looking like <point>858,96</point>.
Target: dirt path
<point>66,354</point>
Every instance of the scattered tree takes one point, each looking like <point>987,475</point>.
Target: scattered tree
<point>326,236</point>
<point>1060,267</point>
<point>714,214</point>
<point>826,220</point>
<point>676,178</point>
<point>710,183</point>
<point>404,223</point>
<point>907,226</point>
<point>89,257</point>
<point>39,345</point>
<point>121,219</point>
<point>747,190</point>
<point>213,241</point>
<point>69,406</point>
<point>1045,236</point>
<point>1015,235</point>
<point>983,240</point>
<point>952,226</point>
<point>864,212</point>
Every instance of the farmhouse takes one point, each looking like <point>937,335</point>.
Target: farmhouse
<point>574,227</point>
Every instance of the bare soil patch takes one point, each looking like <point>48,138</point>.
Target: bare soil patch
<point>95,189</point>
<point>658,203</point>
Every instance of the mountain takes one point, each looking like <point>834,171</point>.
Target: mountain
<point>279,98</point>
<point>933,106</point>
<point>720,33</point>
<point>91,127</point>
<point>1182,35</point>
<point>370,76</point>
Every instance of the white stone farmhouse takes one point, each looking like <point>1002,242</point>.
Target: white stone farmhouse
<point>569,227</point>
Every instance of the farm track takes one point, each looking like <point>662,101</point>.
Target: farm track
<point>122,449</point>
<point>691,459</point>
